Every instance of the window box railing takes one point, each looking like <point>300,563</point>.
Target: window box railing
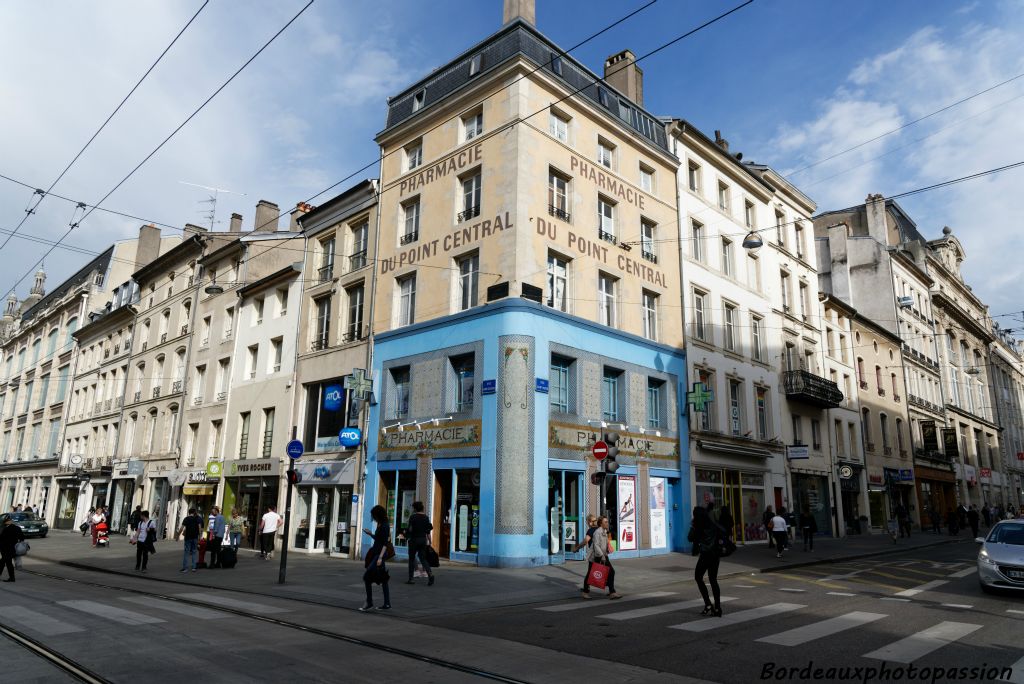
<point>120,402</point>
<point>163,337</point>
<point>357,260</point>
<point>184,330</point>
<point>903,453</point>
<point>276,368</point>
<point>607,237</point>
<point>106,353</point>
<point>468,213</point>
<point>352,336</point>
<point>144,345</point>
<point>318,344</point>
<point>191,280</point>
<point>812,389</point>
<point>221,396</point>
<point>108,404</point>
<point>98,407</point>
<point>138,397</point>
<point>178,386</point>
<point>197,401</point>
<point>559,213</point>
<point>869,446</point>
<point>887,450</point>
<point>409,238</point>
<point>156,392</point>
<point>649,256</point>
<point>325,273</point>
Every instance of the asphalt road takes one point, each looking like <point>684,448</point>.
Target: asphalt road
<point>920,609</point>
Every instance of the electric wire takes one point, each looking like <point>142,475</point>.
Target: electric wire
<point>43,193</point>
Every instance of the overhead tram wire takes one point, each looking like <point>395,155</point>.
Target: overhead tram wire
<point>42,194</point>
<point>167,139</point>
<point>900,128</point>
<point>346,178</point>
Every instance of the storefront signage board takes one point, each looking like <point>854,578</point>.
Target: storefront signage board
<point>929,435</point>
<point>569,436</point>
<point>265,466</point>
<point>446,436</point>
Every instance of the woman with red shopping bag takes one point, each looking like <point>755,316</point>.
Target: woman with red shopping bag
<point>600,572</point>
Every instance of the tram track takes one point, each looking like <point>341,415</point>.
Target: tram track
<point>80,672</point>
<point>58,660</point>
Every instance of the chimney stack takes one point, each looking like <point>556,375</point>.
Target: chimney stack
<point>721,142</point>
<point>267,214</point>
<point>519,9</point>
<point>147,247</point>
<point>300,210</point>
<point>874,209</point>
<point>622,73</point>
<point>236,223</point>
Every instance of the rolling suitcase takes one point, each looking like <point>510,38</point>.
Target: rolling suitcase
<point>228,557</point>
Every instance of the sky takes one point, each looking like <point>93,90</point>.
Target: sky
<point>788,82</point>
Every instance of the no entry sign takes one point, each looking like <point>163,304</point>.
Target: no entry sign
<point>600,450</point>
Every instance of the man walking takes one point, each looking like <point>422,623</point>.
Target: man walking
<point>190,529</point>
<point>972,520</point>
<point>216,536</point>
<point>903,520</point>
<point>268,528</point>
<point>780,530</point>
<point>136,516</point>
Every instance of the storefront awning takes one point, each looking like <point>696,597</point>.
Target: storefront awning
<point>736,449</point>
<point>199,489</point>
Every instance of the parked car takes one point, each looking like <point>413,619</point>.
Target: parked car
<point>1001,556</point>
<point>31,524</point>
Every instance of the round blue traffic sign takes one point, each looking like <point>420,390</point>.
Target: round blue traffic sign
<point>294,449</point>
<point>350,437</point>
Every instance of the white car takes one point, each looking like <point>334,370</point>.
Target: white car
<point>1001,556</point>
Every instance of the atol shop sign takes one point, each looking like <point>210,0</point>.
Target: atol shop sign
<point>333,398</point>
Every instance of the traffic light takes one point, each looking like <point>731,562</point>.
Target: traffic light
<point>294,477</point>
<point>610,464</point>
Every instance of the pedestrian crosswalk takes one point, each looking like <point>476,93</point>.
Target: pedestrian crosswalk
<point>73,616</point>
<point>902,648</point>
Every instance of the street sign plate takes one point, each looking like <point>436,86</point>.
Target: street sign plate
<point>488,387</point>
<point>600,450</point>
<point>294,449</point>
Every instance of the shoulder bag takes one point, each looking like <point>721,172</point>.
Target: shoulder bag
<point>21,548</point>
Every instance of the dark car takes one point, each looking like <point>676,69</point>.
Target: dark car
<point>31,524</point>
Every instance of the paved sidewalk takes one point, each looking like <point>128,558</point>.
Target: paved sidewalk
<point>460,588</point>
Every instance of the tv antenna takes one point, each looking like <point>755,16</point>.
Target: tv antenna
<point>211,213</point>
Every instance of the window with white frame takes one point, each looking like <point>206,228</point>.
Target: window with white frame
<point>410,221</point>
<point>753,271</point>
<point>610,387</point>
<point>696,240</point>
<point>655,397</point>
<point>559,384</point>
<point>646,178</point>
<point>780,228</point>
<point>413,155</point>
<point>419,99</point>
<point>469,281</point>
<point>355,296</point>
<point>650,311</point>
<point>605,153</point>
<point>407,300</point>
<point>729,319</point>
<point>276,354</point>
<point>472,125</point>
<point>558,282</point>
<point>798,430</point>
<point>476,64</point>
<point>761,405</point>
<point>727,267</point>
<point>558,195</point>
<point>252,356</point>
<point>724,201</point>
<point>693,176</point>
<point>647,249</point>
<point>470,197</point>
<point>749,216</point>
<point>322,338</point>
<point>558,125</point>
<point>701,322</point>
<point>606,294</point>
<point>606,216</point>
<point>706,418</point>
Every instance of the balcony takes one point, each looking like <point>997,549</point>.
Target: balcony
<point>470,212</point>
<point>812,389</point>
<point>607,237</point>
<point>559,213</point>
<point>649,256</point>
<point>409,238</point>
<point>325,273</point>
<point>357,261</point>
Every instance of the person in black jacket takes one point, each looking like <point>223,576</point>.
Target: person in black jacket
<point>376,571</point>
<point>706,534</point>
<point>10,535</point>
<point>808,528</point>
<point>416,533</point>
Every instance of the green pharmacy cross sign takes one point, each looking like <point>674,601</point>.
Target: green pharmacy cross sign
<point>358,383</point>
<point>700,397</point>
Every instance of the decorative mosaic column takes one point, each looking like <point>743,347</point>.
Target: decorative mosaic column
<point>514,467</point>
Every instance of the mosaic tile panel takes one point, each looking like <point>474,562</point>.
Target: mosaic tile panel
<point>425,480</point>
<point>590,386</point>
<point>643,483</point>
<point>427,396</point>
<point>637,402</point>
<point>514,466</point>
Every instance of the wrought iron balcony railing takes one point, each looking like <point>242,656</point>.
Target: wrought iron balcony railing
<point>812,389</point>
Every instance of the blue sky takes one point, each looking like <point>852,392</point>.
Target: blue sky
<point>787,81</point>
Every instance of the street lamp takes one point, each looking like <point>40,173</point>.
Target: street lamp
<point>753,241</point>
<point>214,289</point>
<point>972,371</point>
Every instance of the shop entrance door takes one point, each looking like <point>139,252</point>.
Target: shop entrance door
<point>442,512</point>
<point>333,511</point>
<point>565,514</point>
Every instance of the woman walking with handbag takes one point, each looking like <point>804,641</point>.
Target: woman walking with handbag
<point>416,532</point>
<point>144,541</point>
<point>10,536</point>
<point>376,571</point>
<point>597,555</point>
<point>705,535</point>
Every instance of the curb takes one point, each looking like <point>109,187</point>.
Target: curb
<point>872,554</point>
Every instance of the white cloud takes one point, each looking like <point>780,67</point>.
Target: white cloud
<point>930,69</point>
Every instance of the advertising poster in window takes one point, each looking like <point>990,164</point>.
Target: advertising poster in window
<point>659,533</point>
<point>627,512</point>
<point>325,415</point>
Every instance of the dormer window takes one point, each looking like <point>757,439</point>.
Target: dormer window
<point>476,64</point>
<point>418,100</point>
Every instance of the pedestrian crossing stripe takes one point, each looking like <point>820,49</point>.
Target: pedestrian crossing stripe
<point>583,603</point>
<point>738,618</point>
<point>103,610</point>
<point>659,609</point>
<point>922,643</point>
<point>823,628</point>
